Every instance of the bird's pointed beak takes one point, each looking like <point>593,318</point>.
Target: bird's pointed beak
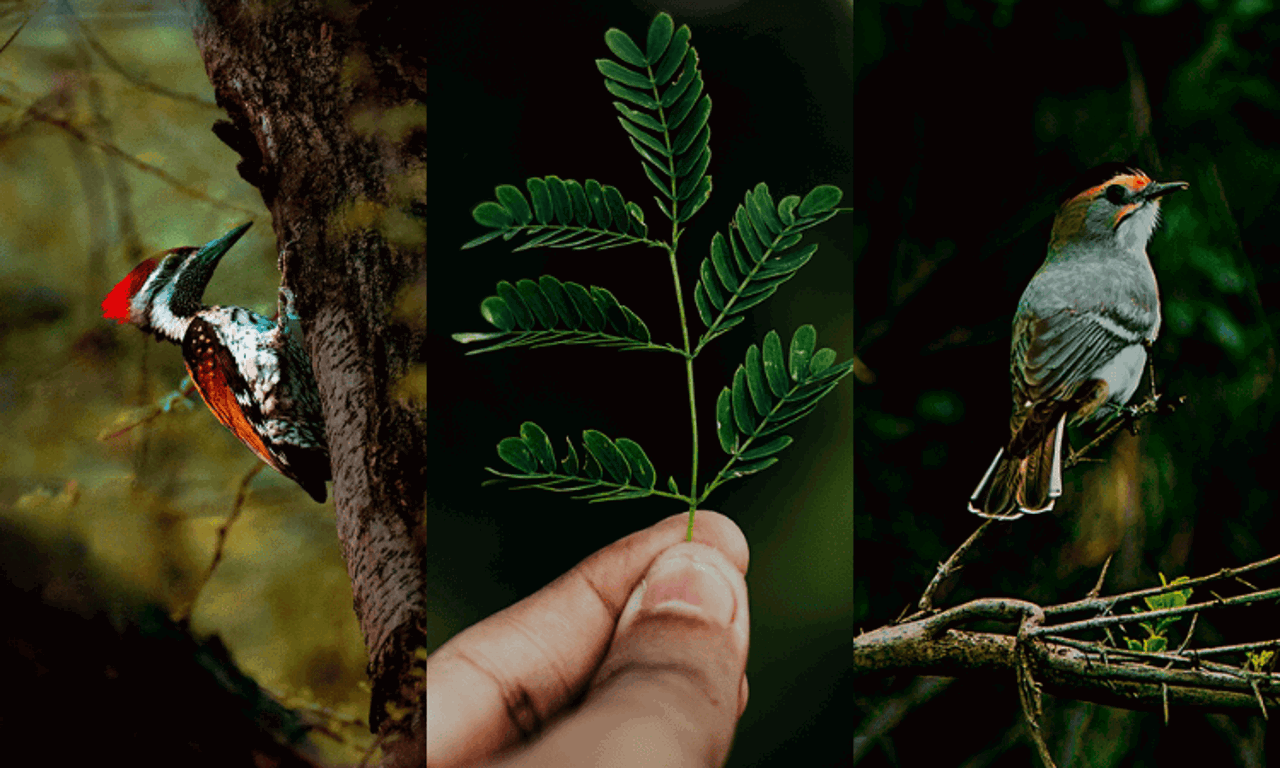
<point>1158,189</point>
<point>212,252</point>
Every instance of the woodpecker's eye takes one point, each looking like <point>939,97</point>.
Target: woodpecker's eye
<point>1116,194</point>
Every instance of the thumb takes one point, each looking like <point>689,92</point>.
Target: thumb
<point>675,673</point>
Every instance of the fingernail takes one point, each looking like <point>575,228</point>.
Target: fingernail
<point>681,584</point>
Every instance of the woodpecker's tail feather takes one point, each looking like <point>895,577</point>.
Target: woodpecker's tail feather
<point>1014,486</point>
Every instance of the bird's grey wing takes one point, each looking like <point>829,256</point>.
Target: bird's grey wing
<point>1053,355</point>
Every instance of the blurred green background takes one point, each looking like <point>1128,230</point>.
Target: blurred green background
<point>515,93</point>
<point>141,511</point>
<point>971,118</point>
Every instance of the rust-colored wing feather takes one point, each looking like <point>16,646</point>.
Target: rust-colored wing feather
<point>215,378</point>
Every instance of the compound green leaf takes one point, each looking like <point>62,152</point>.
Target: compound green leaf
<point>766,251</point>
<point>565,214</point>
<point>530,314</point>
<point>668,128</point>
<point>608,471</point>
<point>763,399</point>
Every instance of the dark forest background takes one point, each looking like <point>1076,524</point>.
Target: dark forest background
<point>970,119</point>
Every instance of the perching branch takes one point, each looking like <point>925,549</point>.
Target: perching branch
<point>1044,659</point>
<point>1129,419</point>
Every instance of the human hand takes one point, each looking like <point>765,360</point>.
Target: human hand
<point>600,667</point>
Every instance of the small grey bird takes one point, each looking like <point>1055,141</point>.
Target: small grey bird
<point>1079,335</point>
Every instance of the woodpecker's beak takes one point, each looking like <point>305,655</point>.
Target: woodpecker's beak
<point>1157,189</point>
<point>212,252</point>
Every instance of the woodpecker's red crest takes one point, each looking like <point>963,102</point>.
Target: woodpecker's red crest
<point>252,372</point>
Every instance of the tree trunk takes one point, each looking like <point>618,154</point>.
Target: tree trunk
<point>327,107</point>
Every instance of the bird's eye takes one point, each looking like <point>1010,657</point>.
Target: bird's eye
<point>1116,194</point>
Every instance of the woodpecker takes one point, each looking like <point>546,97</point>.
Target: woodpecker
<point>252,372</point>
<point>1079,335</point>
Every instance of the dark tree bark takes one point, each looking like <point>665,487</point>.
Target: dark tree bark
<point>327,107</point>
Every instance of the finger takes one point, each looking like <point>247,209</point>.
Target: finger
<point>673,683</point>
<point>499,681</point>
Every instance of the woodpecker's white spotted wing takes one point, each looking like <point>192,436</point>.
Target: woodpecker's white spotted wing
<point>217,374</point>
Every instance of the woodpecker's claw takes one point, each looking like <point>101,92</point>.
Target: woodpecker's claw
<point>179,395</point>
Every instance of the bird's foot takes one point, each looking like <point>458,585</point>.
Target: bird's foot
<point>179,395</point>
